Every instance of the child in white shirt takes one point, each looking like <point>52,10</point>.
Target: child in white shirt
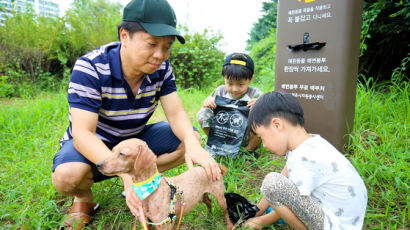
<point>318,188</point>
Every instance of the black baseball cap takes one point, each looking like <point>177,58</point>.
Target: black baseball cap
<point>156,17</point>
<point>239,59</point>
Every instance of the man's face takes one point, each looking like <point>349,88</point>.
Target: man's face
<point>236,88</point>
<point>143,53</point>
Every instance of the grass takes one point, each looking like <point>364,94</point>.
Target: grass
<point>31,128</point>
<point>381,153</point>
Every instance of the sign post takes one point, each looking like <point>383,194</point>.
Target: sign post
<point>317,54</point>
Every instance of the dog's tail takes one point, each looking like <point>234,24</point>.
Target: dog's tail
<point>224,169</point>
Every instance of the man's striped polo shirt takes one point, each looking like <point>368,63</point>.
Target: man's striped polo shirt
<point>97,85</point>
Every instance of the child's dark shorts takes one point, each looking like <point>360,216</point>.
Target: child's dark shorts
<point>158,136</point>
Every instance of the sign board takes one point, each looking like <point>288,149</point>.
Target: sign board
<point>317,54</point>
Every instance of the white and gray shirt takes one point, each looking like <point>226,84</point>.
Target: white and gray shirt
<point>319,170</point>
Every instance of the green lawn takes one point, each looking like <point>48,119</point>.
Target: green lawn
<point>30,130</point>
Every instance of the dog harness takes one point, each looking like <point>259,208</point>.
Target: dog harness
<point>147,187</point>
<point>171,217</point>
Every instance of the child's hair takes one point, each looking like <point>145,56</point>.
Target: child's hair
<point>238,66</point>
<point>275,104</point>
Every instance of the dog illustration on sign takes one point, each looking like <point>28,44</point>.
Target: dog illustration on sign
<point>236,120</point>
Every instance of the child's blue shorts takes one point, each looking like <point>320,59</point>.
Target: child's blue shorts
<point>158,136</point>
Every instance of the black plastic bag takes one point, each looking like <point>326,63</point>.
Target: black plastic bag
<point>228,127</point>
<point>239,208</point>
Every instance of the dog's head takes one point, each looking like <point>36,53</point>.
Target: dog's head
<point>130,156</point>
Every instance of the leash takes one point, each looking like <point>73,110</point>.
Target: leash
<point>181,196</point>
<point>171,217</point>
<point>180,216</point>
<point>143,224</point>
<point>142,220</point>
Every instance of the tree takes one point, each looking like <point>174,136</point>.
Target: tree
<point>385,38</point>
<point>199,61</point>
<point>263,53</point>
<point>40,51</point>
<point>89,24</point>
<point>262,28</point>
<point>26,41</point>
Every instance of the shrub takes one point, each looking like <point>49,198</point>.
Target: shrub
<point>199,61</point>
<point>40,51</point>
<point>26,41</point>
<point>6,89</point>
<point>89,24</point>
<point>263,53</point>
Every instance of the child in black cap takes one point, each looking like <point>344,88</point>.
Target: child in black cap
<point>318,188</point>
<point>237,71</point>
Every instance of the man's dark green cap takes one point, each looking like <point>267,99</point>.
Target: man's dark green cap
<point>156,16</point>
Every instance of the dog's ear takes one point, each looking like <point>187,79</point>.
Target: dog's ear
<point>145,157</point>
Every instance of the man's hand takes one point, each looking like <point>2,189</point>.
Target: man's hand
<point>251,102</point>
<point>198,155</point>
<point>133,201</point>
<point>209,103</point>
<point>182,128</point>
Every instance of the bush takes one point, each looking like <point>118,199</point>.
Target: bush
<point>26,42</point>
<point>6,89</point>
<point>37,53</point>
<point>89,24</point>
<point>263,53</point>
<point>199,61</point>
<point>41,51</point>
<point>385,33</point>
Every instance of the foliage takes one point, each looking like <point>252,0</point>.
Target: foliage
<point>6,89</point>
<point>368,18</point>
<point>89,24</point>
<point>40,51</point>
<point>199,61</point>
<point>385,33</point>
<point>26,41</point>
<point>263,53</point>
<point>263,27</point>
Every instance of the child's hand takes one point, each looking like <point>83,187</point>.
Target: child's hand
<point>253,223</point>
<point>251,102</point>
<point>209,103</point>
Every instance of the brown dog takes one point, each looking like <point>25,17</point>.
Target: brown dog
<point>136,158</point>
